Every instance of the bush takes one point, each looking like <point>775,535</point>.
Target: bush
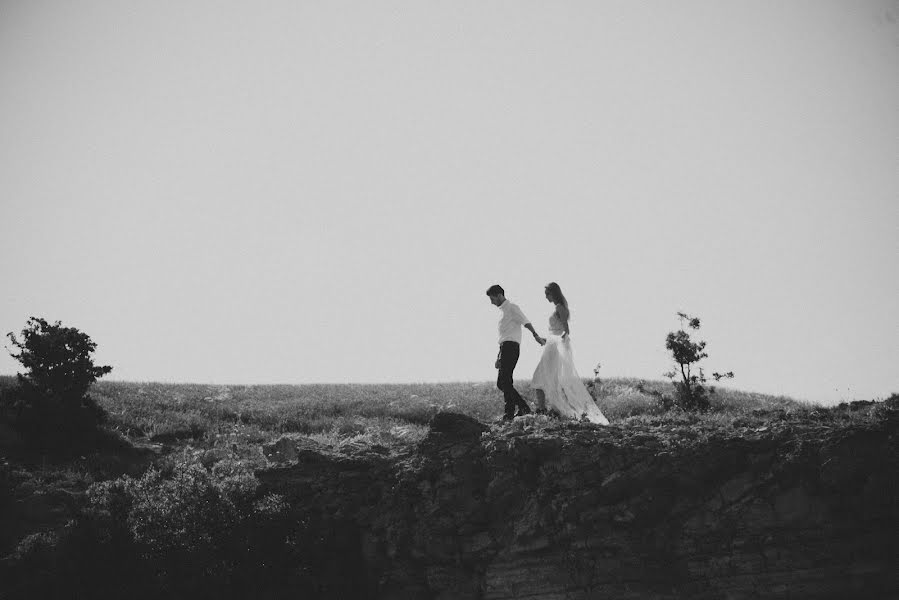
<point>690,392</point>
<point>51,405</point>
<point>188,509</point>
<point>187,531</point>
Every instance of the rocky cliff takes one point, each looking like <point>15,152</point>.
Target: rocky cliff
<point>542,509</point>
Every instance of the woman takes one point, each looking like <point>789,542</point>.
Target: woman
<point>558,385</point>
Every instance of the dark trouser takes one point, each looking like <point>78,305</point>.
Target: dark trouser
<point>508,358</point>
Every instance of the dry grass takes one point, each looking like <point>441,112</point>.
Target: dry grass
<point>387,414</point>
<point>627,397</point>
<point>241,418</point>
<point>213,415</point>
<point>228,425</point>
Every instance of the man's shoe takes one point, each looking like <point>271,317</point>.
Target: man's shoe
<point>524,410</point>
<point>508,417</point>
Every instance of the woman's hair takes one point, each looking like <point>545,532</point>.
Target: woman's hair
<point>555,292</point>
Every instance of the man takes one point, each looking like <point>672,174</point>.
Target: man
<point>509,348</point>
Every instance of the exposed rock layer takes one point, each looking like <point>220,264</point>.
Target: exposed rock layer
<point>547,510</point>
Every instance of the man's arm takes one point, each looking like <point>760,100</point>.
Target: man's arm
<point>539,339</point>
<point>527,325</point>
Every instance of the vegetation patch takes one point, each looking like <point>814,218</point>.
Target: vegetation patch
<point>172,502</point>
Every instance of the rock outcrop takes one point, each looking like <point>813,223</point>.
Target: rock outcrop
<point>543,509</point>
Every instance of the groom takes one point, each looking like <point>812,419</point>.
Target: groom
<point>509,348</point>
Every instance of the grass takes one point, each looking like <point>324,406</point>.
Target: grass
<point>391,415</point>
<point>226,426</point>
<point>202,413</point>
<point>623,398</point>
<point>238,420</point>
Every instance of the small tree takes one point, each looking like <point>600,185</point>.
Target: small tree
<point>690,392</point>
<point>52,404</point>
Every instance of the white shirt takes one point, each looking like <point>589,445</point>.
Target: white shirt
<point>510,323</point>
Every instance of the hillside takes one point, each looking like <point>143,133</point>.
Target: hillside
<point>417,492</point>
<point>545,510</point>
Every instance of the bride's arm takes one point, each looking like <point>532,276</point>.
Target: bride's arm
<point>564,313</point>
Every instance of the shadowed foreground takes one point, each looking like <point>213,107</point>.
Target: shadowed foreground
<point>546,510</point>
<point>259,495</point>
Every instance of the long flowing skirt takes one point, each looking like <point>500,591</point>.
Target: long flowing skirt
<point>564,390</point>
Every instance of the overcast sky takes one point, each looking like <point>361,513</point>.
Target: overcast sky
<point>291,192</point>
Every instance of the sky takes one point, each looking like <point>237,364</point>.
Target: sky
<point>308,192</point>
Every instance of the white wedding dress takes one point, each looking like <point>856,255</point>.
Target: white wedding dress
<point>556,376</point>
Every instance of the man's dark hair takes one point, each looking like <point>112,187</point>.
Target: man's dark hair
<point>495,289</point>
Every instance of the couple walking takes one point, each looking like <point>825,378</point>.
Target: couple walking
<point>556,382</point>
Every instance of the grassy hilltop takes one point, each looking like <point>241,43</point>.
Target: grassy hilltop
<point>179,476</point>
<point>166,423</point>
<point>386,414</point>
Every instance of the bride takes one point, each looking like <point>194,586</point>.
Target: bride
<point>559,387</point>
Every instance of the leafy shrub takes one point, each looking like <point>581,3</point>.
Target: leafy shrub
<point>189,508</point>
<point>690,392</point>
<point>186,531</point>
<point>34,545</point>
<point>51,405</point>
